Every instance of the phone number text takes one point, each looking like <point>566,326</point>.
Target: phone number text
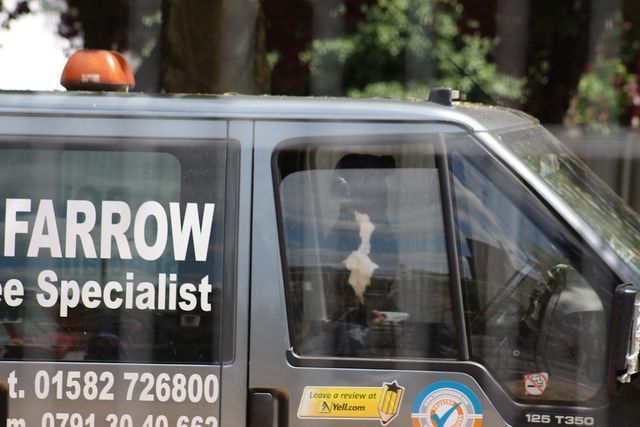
<point>140,386</point>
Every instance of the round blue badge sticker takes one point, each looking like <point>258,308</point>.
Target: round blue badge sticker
<point>446,404</point>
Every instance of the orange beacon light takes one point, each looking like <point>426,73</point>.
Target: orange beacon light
<point>105,70</point>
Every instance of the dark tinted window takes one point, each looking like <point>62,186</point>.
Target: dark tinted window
<point>366,264</point>
<point>537,300</point>
<point>111,254</point>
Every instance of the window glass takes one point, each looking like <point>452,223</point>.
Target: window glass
<point>535,318</point>
<point>589,197</point>
<point>112,255</point>
<point>366,264</point>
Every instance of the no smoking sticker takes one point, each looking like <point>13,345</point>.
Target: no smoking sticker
<point>536,384</point>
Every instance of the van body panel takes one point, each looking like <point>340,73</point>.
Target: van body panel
<point>448,343</point>
<point>95,393</point>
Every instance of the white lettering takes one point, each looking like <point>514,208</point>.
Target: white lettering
<point>154,251</point>
<point>205,290</point>
<point>108,301</point>
<point>191,226</point>
<point>45,279</point>
<point>11,224</point>
<point>115,230</point>
<point>145,300</point>
<point>148,231</point>
<point>80,230</point>
<point>13,292</point>
<point>128,294</point>
<point>172,291</point>
<point>69,296</point>
<point>162,289</point>
<point>189,301</point>
<point>91,294</point>
<point>45,218</point>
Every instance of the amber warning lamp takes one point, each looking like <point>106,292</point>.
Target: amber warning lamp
<point>100,70</point>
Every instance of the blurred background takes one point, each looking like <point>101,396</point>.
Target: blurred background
<point>573,64</point>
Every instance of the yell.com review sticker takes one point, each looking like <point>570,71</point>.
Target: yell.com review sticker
<point>352,403</point>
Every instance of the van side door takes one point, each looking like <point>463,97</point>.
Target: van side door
<point>402,286</point>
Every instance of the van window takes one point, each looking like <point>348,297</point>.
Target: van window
<point>112,254</point>
<point>365,257</point>
<point>536,299</point>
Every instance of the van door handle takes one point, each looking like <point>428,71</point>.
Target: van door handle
<point>266,409</point>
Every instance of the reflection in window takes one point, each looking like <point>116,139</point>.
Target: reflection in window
<point>132,328</point>
<point>366,260</point>
<point>589,197</point>
<point>531,309</point>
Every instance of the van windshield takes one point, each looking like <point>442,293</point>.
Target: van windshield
<point>592,199</point>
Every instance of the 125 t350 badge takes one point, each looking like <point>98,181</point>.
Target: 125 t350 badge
<point>446,404</point>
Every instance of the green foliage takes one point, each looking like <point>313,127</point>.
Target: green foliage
<point>404,47</point>
<point>151,23</point>
<point>604,93</point>
<point>600,99</point>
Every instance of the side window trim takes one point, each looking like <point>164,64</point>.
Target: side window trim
<point>450,228</point>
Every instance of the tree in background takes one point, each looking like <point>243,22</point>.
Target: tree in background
<point>213,47</point>
<point>21,8</point>
<point>557,55</point>
<point>178,46</point>
<point>392,48</point>
<point>606,90</point>
<point>288,25</point>
<point>402,48</point>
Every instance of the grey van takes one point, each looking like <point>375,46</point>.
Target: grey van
<point>173,261</point>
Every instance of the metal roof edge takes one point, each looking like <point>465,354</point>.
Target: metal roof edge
<point>135,105</point>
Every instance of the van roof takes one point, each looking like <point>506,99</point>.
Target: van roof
<point>474,117</point>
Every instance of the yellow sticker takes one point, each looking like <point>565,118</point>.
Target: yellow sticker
<point>352,403</point>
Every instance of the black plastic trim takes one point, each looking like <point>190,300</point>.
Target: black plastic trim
<point>450,226</point>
